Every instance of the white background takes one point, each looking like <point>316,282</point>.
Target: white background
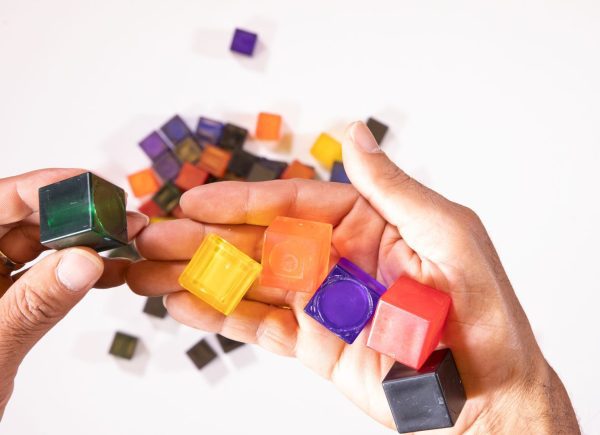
<point>495,104</point>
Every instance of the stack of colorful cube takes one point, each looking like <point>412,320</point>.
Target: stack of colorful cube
<point>423,387</point>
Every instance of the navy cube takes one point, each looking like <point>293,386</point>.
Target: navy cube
<point>338,173</point>
<point>175,129</point>
<point>209,130</point>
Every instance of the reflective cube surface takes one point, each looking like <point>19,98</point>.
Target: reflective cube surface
<point>346,300</point>
<point>84,210</point>
<point>327,150</point>
<point>219,274</point>
<point>429,398</point>
<point>409,321</point>
<point>268,126</point>
<point>167,198</point>
<point>295,254</point>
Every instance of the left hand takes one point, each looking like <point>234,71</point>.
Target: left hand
<point>33,301</point>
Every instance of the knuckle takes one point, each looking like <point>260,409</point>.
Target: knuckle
<point>31,310</point>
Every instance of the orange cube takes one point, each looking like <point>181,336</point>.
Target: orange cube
<point>144,183</point>
<point>298,170</point>
<point>268,126</point>
<point>190,176</point>
<point>295,254</point>
<point>214,160</point>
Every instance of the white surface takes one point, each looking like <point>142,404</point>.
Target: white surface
<point>495,104</point>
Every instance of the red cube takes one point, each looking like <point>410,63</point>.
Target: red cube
<point>409,321</point>
<point>190,176</point>
<point>151,209</point>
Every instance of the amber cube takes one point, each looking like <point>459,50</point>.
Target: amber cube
<point>298,170</point>
<point>214,160</point>
<point>268,126</point>
<point>143,183</point>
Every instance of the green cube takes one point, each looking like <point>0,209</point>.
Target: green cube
<point>84,210</point>
<point>123,345</point>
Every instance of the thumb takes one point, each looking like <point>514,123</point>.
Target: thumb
<point>42,297</point>
<point>395,195</point>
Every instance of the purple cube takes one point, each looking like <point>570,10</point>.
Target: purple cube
<point>153,145</point>
<point>338,173</point>
<point>167,166</point>
<point>209,130</point>
<point>346,300</point>
<point>175,129</point>
<point>243,42</point>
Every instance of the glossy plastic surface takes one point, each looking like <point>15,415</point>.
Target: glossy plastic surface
<point>190,176</point>
<point>143,183</point>
<point>327,150</point>
<point>297,169</point>
<point>214,160</point>
<point>243,42</point>
<point>268,126</point>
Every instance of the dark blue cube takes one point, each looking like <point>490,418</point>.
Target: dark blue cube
<point>338,173</point>
<point>167,166</point>
<point>244,42</point>
<point>175,129</point>
<point>209,130</point>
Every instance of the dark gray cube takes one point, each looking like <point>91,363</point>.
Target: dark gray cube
<point>227,344</point>
<point>155,307</point>
<point>259,172</point>
<point>429,398</point>
<point>201,354</point>
<point>123,345</point>
<point>241,163</point>
<point>232,137</point>
<point>379,129</point>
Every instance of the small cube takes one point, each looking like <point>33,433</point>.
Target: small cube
<point>154,307</point>
<point>143,183</point>
<point>214,160</point>
<point>167,197</point>
<point>297,169</point>
<point>425,399</point>
<point>276,166</point>
<point>219,274</point>
<point>409,321</point>
<point>268,126</point>
<point>346,300</point>
<point>123,345</point>
<point>202,354</point>
<point>188,150</point>
<point>338,173</point>
<point>241,163</point>
<point>151,209</point>
<point>295,254</point>
<point>190,176</point>
<point>243,42</point>
<point>167,166</point>
<point>232,137</point>
<point>228,344</point>
<point>175,129</point>
<point>84,210</point>
<point>209,130</point>
<point>327,150</point>
<point>153,145</point>
<point>378,129</point>
<point>259,172</point>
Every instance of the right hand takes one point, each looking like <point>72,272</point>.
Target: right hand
<point>390,225</point>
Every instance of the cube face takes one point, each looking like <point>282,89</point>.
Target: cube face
<point>298,170</point>
<point>232,137</point>
<point>227,344</point>
<point>241,163</point>
<point>84,210</point>
<point>123,345</point>
<point>209,130</point>
<point>268,126</point>
<point>338,173</point>
<point>201,354</point>
<point>274,165</point>
<point>153,145</point>
<point>167,166</point>
<point>219,274</point>
<point>167,198</point>
<point>214,160</point>
<point>244,42</point>
<point>295,254</point>
<point>154,307</point>
<point>378,129</point>
<point>143,183</point>
<point>175,129</point>
<point>327,150</point>
<point>425,399</point>
<point>190,176</point>
<point>188,150</point>
<point>346,300</point>
<point>259,172</point>
<point>151,209</point>
<point>409,322</point>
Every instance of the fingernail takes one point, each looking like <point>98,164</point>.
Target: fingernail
<point>362,137</point>
<point>78,270</point>
<point>164,300</point>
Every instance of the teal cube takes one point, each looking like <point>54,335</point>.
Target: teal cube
<point>84,210</point>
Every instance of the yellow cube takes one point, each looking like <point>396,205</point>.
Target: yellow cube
<point>219,274</point>
<point>327,150</point>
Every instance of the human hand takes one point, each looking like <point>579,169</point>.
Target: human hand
<point>32,302</point>
<point>390,225</point>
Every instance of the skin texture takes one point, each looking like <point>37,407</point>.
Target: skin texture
<point>390,225</point>
<point>33,301</point>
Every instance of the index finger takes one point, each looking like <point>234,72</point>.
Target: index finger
<point>233,202</point>
<point>19,194</point>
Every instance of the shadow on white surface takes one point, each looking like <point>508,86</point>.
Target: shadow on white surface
<point>243,357</point>
<point>215,371</point>
<point>139,363</point>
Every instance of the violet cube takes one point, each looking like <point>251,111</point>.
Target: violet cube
<point>209,130</point>
<point>153,145</point>
<point>167,166</point>
<point>244,42</point>
<point>346,300</point>
<point>175,129</point>
<point>338,173</point>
